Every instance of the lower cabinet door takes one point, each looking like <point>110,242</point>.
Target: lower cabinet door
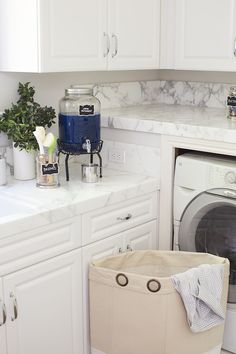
<point>143,237</point>
<point>3,343</point>
<point>138,238</point>
<point>44,307</point>
<point>108,247</point>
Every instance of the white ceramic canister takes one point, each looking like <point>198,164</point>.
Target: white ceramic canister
<point>3,171</point>
<point>24,164</point>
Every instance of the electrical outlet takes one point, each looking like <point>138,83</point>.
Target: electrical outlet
<point>116,155</point>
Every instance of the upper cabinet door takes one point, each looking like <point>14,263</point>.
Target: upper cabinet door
<point>205,35</point>
<point>133,28</point>
<point>19,35</point>
<point>73,35</point>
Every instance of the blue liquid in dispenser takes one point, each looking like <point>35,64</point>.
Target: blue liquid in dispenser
<point>75,129</point>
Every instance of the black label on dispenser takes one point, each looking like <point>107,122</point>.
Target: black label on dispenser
<point>231,101</point>
<point>50,169</point>
<point>86,110</point>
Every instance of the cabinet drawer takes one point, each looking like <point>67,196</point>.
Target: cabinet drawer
<point>108,221</point>
<point>27,248</point>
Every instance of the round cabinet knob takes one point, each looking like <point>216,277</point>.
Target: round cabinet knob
<point>230,177</point>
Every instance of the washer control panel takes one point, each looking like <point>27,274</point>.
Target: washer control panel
<point>230,177</point>
<point>221,176</point>
<point>203,172</point>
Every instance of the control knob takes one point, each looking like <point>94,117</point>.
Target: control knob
<point>230,177</point>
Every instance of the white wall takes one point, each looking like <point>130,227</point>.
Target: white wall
<point>50,87</point>
<point>202,76</point>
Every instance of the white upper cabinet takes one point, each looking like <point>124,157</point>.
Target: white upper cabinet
<point>52,35</point>
<point>74,35</point>
<point>203,35</point>
<point>134,29</point>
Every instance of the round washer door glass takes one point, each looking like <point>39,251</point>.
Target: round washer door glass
<point>209,225</point>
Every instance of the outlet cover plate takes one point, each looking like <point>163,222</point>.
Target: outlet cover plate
<point>117,155</point>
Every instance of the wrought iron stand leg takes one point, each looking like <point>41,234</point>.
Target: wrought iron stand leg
<point>100,164</point>
<point>67,168</point>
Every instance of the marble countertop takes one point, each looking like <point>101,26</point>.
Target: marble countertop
<point>36,207</point>
<point>177,120</point>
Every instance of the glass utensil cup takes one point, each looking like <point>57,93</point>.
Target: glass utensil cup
<point>47,171</point>
<point>231,103</point>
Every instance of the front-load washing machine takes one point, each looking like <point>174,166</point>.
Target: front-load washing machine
<point>205,217</point>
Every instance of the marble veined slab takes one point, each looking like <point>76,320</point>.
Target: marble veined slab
<point>43,206</point>
<point>201,94</point>
<point>177,120</point>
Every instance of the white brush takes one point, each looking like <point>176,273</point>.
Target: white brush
<point>51,143</point>
<point>39,134</point>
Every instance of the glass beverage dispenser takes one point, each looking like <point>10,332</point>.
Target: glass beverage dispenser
<point>79,121</point>
<point>79,128</point>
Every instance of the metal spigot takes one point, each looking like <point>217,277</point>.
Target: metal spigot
<point>87,146</point>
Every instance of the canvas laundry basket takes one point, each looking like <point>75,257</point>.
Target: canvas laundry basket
<point>128,318</point>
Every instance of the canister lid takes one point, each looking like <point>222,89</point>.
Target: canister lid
<point>78,90</point>
<point>233,90</point>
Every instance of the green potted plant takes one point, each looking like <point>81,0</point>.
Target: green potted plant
<point>19,122</point>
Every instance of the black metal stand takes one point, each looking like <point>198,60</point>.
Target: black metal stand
<point>62,150</point>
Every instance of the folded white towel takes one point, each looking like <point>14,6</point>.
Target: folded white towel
<point>200,289</point>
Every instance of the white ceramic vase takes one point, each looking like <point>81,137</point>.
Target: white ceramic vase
<point>24,164</point>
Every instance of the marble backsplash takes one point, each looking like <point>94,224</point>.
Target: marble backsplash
<point>169,92</point>
<point>140,158</point>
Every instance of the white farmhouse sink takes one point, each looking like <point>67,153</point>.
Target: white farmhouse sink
<point>10,207</point>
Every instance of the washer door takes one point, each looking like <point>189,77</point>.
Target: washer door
<point>209,225</point>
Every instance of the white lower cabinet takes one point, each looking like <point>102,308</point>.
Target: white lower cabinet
<point>138,238</point>
<point>3,344</point>
<point>44,307</point>
<point>44,304</point>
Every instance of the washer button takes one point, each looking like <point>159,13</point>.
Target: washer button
<point>230,177</point>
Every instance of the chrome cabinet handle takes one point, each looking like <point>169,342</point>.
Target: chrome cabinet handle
<point>15,310</point>
<point>124,218</point>
<point>106,44</point>
<point>120,250</point>
<point>115,40</point>
<point>129,248</point>
<point>4,314</point>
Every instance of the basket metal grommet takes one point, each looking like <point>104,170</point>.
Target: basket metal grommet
<point>153,285</point>
<point>122,279</point>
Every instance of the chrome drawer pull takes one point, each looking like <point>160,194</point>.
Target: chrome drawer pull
<point>115,40</point>
<point>124,218</point>
<point>4,314</point>
<point>129,248</point>
<point>107,44</point>
<point>15,310</point>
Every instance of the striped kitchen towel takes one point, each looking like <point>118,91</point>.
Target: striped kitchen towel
<point>200,289</point>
